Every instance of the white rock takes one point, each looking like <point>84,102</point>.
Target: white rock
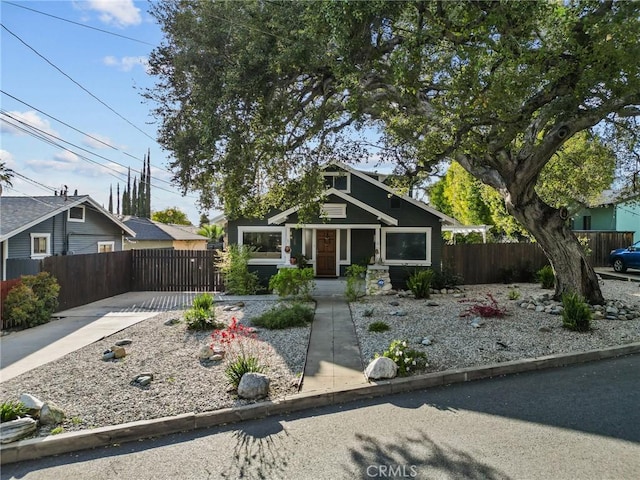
<point>32,403</point>
<point>205,352</point>
<point>51,414</point>
<point>381,367</point>
<point>17,429</point>
<point>253,386</point>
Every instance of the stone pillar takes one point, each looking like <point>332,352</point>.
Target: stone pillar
<point>377,280</point>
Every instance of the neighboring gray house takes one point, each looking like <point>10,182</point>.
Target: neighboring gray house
<point>151,234</point>
<point>32,228</point>
<point>363,221</point>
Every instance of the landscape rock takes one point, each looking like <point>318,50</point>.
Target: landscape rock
<point>431,303</point>
<point>253,386</point>
<point>172,321</point>
<point>426,341</point>
<point>205,352</point>
<point>381,367</point>
<point>33,404</point>
<point>123,342</point>
<point>16,429</point>
<point>51,414</point>
<point>118,352</point>
<point>216,357</point>
<point>399,313</point>
<point>476,322</point>
<point>109,355</point>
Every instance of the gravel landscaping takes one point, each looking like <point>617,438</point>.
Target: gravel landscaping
<point>95,393</point>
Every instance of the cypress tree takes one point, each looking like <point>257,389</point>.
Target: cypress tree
<point>148,191</point>
<point>111,199</point>
<point>118,195</point>
<point>134,199</point>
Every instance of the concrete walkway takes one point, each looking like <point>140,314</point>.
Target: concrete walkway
<point>333,357</point>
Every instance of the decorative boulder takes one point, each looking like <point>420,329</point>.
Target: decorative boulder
<point>17,429</point>
<point>205,352</point>
<point>253,386</point>
<point>381,367</point>
<point>32,404</point>
<point>51,414</point>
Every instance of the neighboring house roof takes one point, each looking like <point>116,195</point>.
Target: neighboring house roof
<point>147,229</point>
<point>612,197</point>
<point>18,214</point>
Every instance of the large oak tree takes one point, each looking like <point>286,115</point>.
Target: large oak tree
<point>252,93</point>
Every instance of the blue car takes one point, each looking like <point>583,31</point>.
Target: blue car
<point>623,258</point>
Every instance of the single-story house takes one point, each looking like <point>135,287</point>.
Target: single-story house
<point>362,221</point>
<point>612,211</point>
<point>32,228</point>
<point>151,234</point>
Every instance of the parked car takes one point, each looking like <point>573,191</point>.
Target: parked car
<point>623,258</point>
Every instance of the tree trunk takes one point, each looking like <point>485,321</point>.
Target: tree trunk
<point>573,271</point>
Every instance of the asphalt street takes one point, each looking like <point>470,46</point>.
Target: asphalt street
<point>579,422</point>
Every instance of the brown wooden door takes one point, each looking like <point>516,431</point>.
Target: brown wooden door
<point>326,253</point>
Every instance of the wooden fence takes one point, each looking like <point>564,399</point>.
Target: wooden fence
<point>601,244</point>
<point>175,271</point>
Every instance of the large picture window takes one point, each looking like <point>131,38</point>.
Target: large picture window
<point>404,245</point>
<point>266,241</point>
<point>40,245</point>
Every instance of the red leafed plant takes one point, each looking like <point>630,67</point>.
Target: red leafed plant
<point>484,308</point>
<point>235,331</point>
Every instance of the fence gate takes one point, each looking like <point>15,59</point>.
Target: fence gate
<point>175,270</point>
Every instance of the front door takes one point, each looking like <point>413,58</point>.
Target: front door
<point>326,253</point>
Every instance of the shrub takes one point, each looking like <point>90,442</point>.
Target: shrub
<point>31,302</point>
<point>368,312</point>
<point>296,315</point>
<point>202,316</point>
<point>234,266</point>
<point>514,294</point>
<point>355,282</point>
<point>445,278</point>
<point>295,282</point>
<point>546,277</point>
<point>486,309</point>
<point>378,327</point>
<point>420,283</point>
<point>242,364</point>
<point>407,359</point>
<point>10,410</point>
<point>577,314</point>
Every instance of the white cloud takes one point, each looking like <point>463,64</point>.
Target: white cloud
<point>126,64</point>
<point>119,13</point>
<point>7,158</point>
<point>31,118</point>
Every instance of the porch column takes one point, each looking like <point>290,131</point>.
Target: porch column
<point>5,255</point>
<point>287,245</point>
<point>378,246</point>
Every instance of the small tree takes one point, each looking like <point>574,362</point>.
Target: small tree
<point>234,266</point>
<point>171,215</point>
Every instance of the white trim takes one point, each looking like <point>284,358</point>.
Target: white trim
<point>80,220</point>
<point>389,220</point>
<point>339,174</point>
<point>111,243</point>
<point>333,210</point>
<point>38,256</point>
<point>264,261</point>
<point>347,261</point>
<point>425,230</point>
<point>5,256</point>
<point>413,201</point>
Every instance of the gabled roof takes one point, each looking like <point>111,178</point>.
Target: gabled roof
<point>389,220</point>
<point>18,214</point>
<point>147,229</point>
<point>388,189</point>
<point>612,197</point>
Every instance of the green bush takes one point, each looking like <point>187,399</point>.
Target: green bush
<point>11,410</point>
<point>355,282</point>
<point>239,366</point>
<point>296,315</point>
<point>546,277</point>
<point>445,278</point>
<point>31,302</point>
<point>577,314</point>
<point>202,316</point>
<point>407,359</point>
<point>420,283</point>
<point>378,327</point>
<point>234,266</point>
<point>295,282</point>
<point>514,294</point>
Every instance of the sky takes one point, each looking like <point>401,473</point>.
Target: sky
<point>81,89</point>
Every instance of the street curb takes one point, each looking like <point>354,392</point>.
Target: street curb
<point>117,434</point>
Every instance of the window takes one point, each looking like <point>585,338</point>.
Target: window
<point>334,210</point>
<point>338,180</point>
<point>406,245</point>
<point>40,245</point>
<point>105,247</point>
<point>267,242</point>
<point>586,222</point>
<point>76,214</point>
<point>344,245</point>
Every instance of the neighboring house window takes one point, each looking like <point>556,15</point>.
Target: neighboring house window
<point>338,180</point>
<point>407,245</point>
<point>105,247</point>
<point>267,242</point>
<point>586,222</point>
<point>76,214</point>
<point>40,245</point>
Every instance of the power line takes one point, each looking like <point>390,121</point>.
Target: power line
<point>34,182</point>
<point>80,24</point>
<point>75,82</point>
<point>84,133</point>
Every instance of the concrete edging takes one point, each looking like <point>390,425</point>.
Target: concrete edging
<point>104,436</point>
